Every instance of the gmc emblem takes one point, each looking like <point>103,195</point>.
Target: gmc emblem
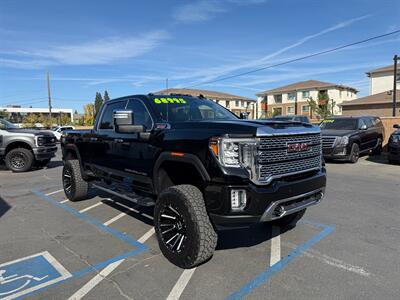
<point>299,147</point>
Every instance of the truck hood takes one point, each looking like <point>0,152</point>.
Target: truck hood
<point>250,127</point>
<point>332,132</point>
<point>31,131</point>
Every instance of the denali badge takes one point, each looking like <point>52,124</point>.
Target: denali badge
<point>299,147</point>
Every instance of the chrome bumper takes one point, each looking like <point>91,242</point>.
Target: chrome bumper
<point>284,207</point>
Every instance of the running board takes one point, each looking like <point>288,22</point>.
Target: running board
<point>140,200</point>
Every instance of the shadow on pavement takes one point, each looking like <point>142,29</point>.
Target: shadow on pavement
<point>379,159</point>
<point>4,207</point>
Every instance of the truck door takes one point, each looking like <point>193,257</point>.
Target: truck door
<point>133,156</point>
<point>364,139</point>
<point>102,141</point>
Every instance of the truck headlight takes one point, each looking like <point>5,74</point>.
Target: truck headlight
<point>39,140</point>
<point>342,141</point>
<point>233,152</point>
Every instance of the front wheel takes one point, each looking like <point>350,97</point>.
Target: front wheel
<point>75,187</point>
<point>19,160</point>
<point>184,231</point>
<point>290,220</point>
<point>355,153</point>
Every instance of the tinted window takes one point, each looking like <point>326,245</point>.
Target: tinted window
<point>339,124</point>
<point>140,114</point>
<point>107,121</point>
<point>368,122</point>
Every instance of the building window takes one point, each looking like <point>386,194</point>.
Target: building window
<point>291,96</point>
<point>237,103</point>
<point>290,110</point>
<point>242,103</point>
<point>305,94</point>
<point>277,111</point>
<point>278,99</point>
<point>305,108</point>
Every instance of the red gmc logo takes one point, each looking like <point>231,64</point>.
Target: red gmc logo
<point>299,147</point>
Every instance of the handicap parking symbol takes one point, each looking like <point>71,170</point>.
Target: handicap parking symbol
<point>28,274</point>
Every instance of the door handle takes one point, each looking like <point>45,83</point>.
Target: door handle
<point>118,140</point>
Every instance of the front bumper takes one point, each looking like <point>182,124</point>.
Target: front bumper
<point>337,153</point>
<point>394,152</point>
<point>42,153</point>
<point>265,203</point>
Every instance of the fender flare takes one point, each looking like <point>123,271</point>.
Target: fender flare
<point>24,141</point>
<point>185,158</point>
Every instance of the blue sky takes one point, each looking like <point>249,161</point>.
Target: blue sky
<point>130,47</point>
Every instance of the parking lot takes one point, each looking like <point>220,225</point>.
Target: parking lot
<point>347,247</point>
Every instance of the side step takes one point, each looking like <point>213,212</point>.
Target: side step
<point>140,200</point>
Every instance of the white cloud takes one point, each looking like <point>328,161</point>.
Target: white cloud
<point>102,51</point>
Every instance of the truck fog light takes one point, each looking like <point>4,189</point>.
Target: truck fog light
<point>238,199</point>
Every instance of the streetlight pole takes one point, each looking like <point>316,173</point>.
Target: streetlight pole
<point>395,59</point>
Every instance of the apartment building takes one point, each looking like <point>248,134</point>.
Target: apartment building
<point>236,104</point>
<point>381,79</point>
<point>292,99</point>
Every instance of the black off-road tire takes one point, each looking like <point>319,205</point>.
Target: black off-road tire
<point>75,187</point>
<point>290,220</point>
<point>354,153</point>
<point>188,220</point>
<point>378,149</point>
<point>19,160</point>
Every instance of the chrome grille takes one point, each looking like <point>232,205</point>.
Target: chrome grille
<point>274,160</point>
<point>282,169</point>
<point>328,141</point>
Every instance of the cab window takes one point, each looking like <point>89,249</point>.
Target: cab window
<point>140,113</point>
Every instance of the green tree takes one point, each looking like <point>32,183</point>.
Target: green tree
<point>322,108</point>
<point>89,114</point>
<point>98,102</point>
<point>3,114</point>
<point>106,97</point>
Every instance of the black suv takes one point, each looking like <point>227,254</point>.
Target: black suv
<point>394,145</point>
<point>345,138</point>
<point>200,165</point>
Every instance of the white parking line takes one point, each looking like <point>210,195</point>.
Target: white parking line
<point>83,291</point>
<point>64,201</point>
<point>55,192</point>
<point>181,284</point>
<point>134,210</point>
<point>275,246</point>
<point>90,207</point>
<point>116,218</point>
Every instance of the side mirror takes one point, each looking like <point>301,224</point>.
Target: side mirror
<point>363,127</point>
<point>244,116</point>
<point>124,122</point>
<point>397,126</point>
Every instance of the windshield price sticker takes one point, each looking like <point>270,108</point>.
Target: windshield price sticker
<point>169,100</point>
<point>328,121</point>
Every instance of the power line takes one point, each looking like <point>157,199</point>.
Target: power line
<point>298,59</point>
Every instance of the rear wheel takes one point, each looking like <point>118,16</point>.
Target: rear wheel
<point>355,153</point>
<point>184,231</point>
<point>290,220</point>
<point>19,160</point>
<point>75,187</point>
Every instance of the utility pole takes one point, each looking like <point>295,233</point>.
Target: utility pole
<point>49,95</point>
<point>395,59</point>
<point>295,103</point>
<point>333,106</point>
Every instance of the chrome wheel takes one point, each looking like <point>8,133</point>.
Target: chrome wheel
<point>173,229</point>
<point>67,180</point>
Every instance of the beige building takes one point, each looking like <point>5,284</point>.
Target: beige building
<point>292,99</point>
<point>236,104</point>
<point>380,104</point>
<point>381,80</point>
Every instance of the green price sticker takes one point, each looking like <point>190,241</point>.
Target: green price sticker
<point>169,100</point>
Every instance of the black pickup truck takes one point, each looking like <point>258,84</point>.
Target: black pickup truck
<point>202,167</point>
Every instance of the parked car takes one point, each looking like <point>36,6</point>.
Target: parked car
<point>59,130</point>
<point>298,118</point>
<point>345,138</point>
<point>394,145</point>
<point>24,148</point>
<point>200,165</point>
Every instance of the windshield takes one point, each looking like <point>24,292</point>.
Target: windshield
<point>283,118</point>
<point>4,124</point>
<point>339,124</point>
<point>190,109</point>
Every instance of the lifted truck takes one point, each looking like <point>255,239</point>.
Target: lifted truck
<point>24,148</point>
<point>202,167</point>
